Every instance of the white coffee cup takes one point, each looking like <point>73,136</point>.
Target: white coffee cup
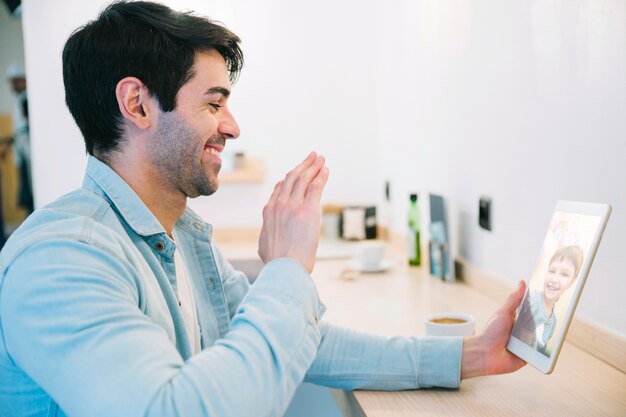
<point>371,253</point>
<point>449,324</point>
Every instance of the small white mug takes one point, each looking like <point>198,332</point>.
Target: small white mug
<point>449,324</point>
<point>370,253</point>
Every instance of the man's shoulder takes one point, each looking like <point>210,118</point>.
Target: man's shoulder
<point>78,207</point>
<point>81,215</point>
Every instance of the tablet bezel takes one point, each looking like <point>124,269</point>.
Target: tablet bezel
<point>522,350</point>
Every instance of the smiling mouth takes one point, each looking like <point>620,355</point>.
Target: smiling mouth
<point>552,287</point>
<point>214,151</point>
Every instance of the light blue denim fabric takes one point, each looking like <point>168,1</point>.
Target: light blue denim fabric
<point>90,323</point>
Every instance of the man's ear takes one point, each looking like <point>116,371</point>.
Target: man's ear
<point>135,102</point>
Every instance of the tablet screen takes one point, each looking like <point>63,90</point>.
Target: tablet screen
<point>554,279</point>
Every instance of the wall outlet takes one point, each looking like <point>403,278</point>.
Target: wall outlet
<point>484,212</point>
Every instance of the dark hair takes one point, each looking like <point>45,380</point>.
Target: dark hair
<point>573,254</point>
<point>141,39</point>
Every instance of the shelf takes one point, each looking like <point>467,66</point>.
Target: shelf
<point>252,170</point>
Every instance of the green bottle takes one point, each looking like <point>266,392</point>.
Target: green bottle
<point>414,232</point>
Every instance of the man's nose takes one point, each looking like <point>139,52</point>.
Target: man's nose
<point>228,126</point>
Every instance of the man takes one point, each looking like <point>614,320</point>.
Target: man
<point>114,300</point>
<point>21,136</point>
<point>20,139</point>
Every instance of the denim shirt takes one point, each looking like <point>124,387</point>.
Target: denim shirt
<point>90,323</point>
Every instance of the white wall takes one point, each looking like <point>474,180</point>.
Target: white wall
<point>11,50</point>
<point>523,101</point>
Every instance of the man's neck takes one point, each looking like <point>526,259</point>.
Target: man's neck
<point>167,204</point>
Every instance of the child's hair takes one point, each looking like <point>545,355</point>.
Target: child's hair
<point>573,254</point>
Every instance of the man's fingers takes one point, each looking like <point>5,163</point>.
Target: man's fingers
<point>514,299</point>
<point>275,193</point>
<point>314,192</point>
<point>306,178</point>
<point>292,175</point>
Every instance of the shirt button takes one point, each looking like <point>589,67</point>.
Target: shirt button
<point>160,246</point>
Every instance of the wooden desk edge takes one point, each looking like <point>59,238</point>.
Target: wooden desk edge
<point>347,403</point>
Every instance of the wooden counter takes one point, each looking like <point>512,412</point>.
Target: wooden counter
<point>396,303</point>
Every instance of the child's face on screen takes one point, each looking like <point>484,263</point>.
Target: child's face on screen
<point>559,278</point>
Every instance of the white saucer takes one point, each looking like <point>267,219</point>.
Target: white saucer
<point>384,265</point>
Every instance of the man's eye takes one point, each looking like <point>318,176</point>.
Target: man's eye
<point>216,106</point>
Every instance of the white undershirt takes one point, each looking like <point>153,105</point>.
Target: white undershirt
<point>186,299</point>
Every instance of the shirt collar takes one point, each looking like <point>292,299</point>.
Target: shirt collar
<point>101,179</point>
<point>194,224</point>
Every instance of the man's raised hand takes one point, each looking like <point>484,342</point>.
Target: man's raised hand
<point>291,217</point>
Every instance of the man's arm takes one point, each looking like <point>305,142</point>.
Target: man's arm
<point>71,319</point>
<point>351,360</point>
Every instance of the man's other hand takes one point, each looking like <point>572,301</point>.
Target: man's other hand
<point>486,353</point>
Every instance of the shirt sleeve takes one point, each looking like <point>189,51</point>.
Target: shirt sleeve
<point>71,318</point>
<point>352,360</point>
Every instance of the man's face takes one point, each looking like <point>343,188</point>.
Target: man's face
<point>559,278</point>
<point>185,150</point>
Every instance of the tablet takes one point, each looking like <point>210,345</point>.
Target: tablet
<point>557,281</point>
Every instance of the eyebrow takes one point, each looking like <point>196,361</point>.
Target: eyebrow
<point>218,90</point>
